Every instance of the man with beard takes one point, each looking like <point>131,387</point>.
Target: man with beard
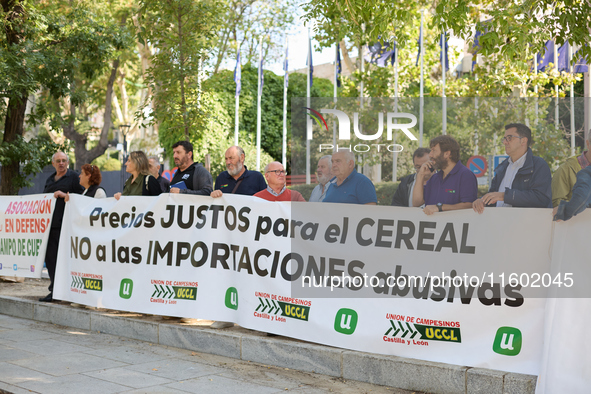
<point>323,176</point>
<point>523,180</point>
<point>61,182</point>
<point>238,179</point>
<point>190,178</point>
<point>452,187</point>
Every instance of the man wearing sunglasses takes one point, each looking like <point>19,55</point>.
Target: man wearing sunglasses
<point>522,180</point>
<point>276,189</point>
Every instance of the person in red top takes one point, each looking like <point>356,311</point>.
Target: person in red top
<point>276,190</point>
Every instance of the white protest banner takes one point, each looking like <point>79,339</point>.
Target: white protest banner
<point>24,229</point>
<point>272,267</point>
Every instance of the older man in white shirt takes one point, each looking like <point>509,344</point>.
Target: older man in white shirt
<point>323,176</point>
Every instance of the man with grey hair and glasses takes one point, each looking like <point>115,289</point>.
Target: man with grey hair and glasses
<point>323,176</point>
<point>60,183</point>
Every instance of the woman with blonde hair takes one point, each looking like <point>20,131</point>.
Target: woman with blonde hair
<point>140,183</point>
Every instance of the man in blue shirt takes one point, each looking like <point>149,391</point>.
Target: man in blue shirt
<point>350,187</point>
<point>453,187</point>
<point>238,179</point>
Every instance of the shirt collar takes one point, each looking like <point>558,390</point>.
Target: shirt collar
<point>519,163</point>
<point>270,190</point>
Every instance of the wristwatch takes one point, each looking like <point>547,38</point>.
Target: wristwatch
<point>440,206</point>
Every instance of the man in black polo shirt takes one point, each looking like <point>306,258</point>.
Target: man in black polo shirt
<point>190,178</point>
<point>238,179</point>
<point>61,182</point>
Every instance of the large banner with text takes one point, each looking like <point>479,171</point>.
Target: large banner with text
<point>454,287</point>
<point>24,230</point>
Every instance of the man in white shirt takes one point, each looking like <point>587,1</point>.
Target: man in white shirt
<point>523,180</point>
<point>323,176</point>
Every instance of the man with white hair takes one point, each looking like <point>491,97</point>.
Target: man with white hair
<point>350,187</point>
<point>276,190</point>
<point>323,176</point>
<point>155,172</point>
<point>238,179</point>
<point>61,182</point>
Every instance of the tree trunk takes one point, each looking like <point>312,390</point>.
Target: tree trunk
<point>17,104</point>
<point>83,155</point>
<point>13,128</point>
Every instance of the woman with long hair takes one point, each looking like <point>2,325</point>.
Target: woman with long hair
<point>140,183</point>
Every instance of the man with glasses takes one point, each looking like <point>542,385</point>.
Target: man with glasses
<point>276,189</point>
<point>60,183</point>
<point>523,180</point>
<point>403,195</point>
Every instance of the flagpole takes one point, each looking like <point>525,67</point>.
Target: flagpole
<point>536,86</point>
<point>572,102</point>
<point>238,74</point>
<point>421,100</point>
<point>336,81</point>
<point>395,153</point>
<point>443,99</point>
<point>284,150</point>
<point>259,93</point>
<point>556,110</point>
<point>308,118</point>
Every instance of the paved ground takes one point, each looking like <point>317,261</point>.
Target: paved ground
<point>46,358</point>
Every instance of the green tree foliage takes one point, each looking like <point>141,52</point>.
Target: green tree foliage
<point>181,31</point>
<point>271,105</point>
<point>45,46</point>
<point>245,22</point>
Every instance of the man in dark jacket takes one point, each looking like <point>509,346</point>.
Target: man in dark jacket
<point>523,180</point>
<point>190,178</point>
<point>403,194</point>
<point>580,199</point>
<point>60,183</point>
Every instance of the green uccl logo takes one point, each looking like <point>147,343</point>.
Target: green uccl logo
<point>508,341</point>
<point>232,298</point>
<point>126,288</point>
<point>345,321</point>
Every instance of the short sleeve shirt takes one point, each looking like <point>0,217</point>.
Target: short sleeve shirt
<point>355,189</point>
<point>460,185</point>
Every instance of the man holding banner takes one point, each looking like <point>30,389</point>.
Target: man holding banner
<point>191,177</point>
<point>454,187</point>
<point>523,180</point>
<point>238,179</point>
<point>277,191</point>
<point>61,182</point>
